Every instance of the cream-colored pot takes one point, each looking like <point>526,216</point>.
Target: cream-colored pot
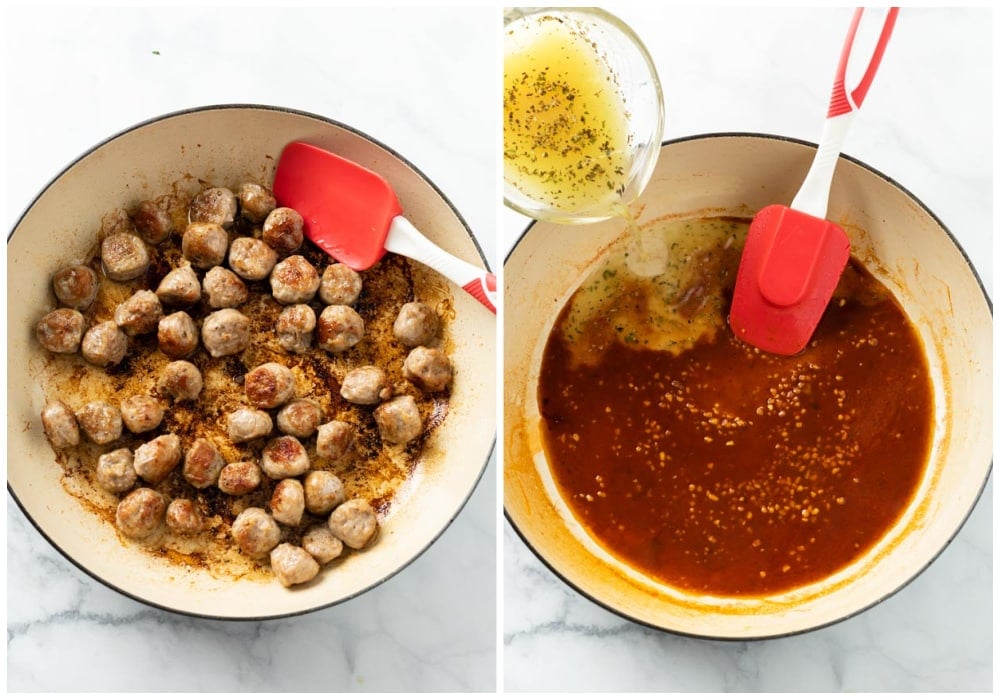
<point>231,144</point>
<point>901,242</point>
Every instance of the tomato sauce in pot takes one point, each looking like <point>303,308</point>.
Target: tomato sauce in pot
<point>715,467</point>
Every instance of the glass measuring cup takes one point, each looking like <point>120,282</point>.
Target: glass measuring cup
<point>583,114</point>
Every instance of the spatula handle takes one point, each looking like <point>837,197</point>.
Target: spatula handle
<point>841,101</point>
<point>404,239</point>
<point>814,195</point>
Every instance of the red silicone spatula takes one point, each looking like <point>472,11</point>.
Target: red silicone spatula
<point>793,256</point>
<point>353,214</point>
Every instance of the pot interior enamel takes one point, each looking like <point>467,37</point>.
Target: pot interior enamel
<point>899,241</point>
<point>231,144</point>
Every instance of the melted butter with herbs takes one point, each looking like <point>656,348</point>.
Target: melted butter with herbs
<point>566,136</point>
<point>660,288</point>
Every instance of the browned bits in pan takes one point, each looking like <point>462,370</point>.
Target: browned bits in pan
<point>268,396</point>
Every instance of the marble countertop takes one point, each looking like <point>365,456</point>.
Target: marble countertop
<point>927,123</point>
<point>411,78</point>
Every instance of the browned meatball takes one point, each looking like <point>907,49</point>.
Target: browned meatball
<point>322,545</point>
<point>288,502</point>
<point>245,424</point>
<point>365,385</point>
<point>116,221</point>
<point>177,335</point>
<point>340,285</point>
<point>202,464</point>
<point>141,413</point>
<point>183,516</point>
<point>60,425</point>
<point>75,286</point>
<point>152,222</point>
<point>101,422</point>
<point>61,331</point>
<point>354,523</point>
<point>181,380</point>
<point>114,472</point>
<point>339,328</point>
<point>294,280</point>
<point>416,324</point>
<point>204,244</point>
<point>428,368</point>
<point>140,313</point>
<point>140,513</point>
<point>398,420</point>
<point>292,565</point>
<point>300,418</point>
<point>256,533</point>
<point>251,258</point>
<point>256,202</point>
<point>180,287</point>
<point>215,205</point>
<point>104,345</point>
<point>223,288</point>
<point>283,230</point>
<point>124,257</point>
<point>295,326</point>
<point>269,385</point>
<point>155,459</point>
<point>284,457</point>
<point>323,492</point>
<point>225,332</point>
<point>335,440</point>
<point>239,478</point>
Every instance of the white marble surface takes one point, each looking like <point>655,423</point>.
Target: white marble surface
<point>927,123</point>
<point>415,79</point>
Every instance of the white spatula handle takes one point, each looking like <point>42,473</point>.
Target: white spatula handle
<point>404,238</point>
<point>814,194</point>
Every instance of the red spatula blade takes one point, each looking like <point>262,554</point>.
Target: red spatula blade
<point>346,208</point>
<point>790,266</point>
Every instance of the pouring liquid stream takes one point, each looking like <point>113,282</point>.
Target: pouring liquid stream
<point>647,252</point>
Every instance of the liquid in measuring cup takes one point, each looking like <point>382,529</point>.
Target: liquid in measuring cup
<point>566,132</point>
